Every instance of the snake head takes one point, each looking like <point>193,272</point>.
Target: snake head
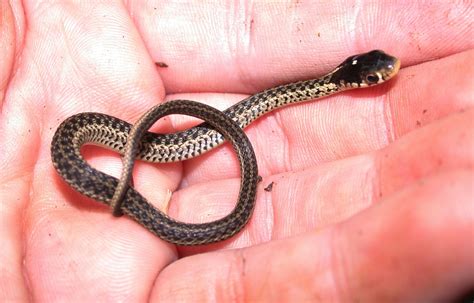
<point>365,70</point>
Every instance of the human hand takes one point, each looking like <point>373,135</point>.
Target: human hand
<point>372,189</point>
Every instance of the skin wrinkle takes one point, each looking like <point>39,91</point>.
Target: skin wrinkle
<point>378,14</point>
<point>275,118</point>
<point>370,180</point>
<point>237,272</point>
<point>337,264</point>
<point>240,253</point>
<point>341,266</point>
<point>285,141</point>
<point>8,35</point>
<point>25,237</point>
<point>244,33</point>
<point>31,132</point>
<point>342,260</point>
<point>18,34</point>
<point>377,181</point>
<point>269,201</point>
<point>388,119</point>
<point>351,23</point>
<point>19,217</point>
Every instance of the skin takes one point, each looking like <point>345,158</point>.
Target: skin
<point>372,192</point>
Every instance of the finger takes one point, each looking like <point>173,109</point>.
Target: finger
<point>247,48</point>
<point>330,193</point>
<point>409,241</point>
<point>301,136</point>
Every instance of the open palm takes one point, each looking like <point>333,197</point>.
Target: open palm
<point>371,190</point>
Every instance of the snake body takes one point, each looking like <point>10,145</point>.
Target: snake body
<point>357,71</point>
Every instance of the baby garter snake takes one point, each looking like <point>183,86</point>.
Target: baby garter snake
<point>357,71</point>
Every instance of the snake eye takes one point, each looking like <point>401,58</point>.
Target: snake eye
<point>372,78</point>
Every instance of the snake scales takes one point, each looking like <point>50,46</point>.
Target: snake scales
<point>357,71</point>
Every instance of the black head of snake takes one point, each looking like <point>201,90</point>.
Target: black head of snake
<point>365,70</point>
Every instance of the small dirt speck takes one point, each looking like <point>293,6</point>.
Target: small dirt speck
<point>269,187</point>
<point>161,64</point>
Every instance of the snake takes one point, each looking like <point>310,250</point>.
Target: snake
<point>135,142</point>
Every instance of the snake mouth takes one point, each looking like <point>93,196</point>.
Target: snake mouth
<point>392,68</point>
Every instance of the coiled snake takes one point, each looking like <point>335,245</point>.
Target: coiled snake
<point>357,71</point>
